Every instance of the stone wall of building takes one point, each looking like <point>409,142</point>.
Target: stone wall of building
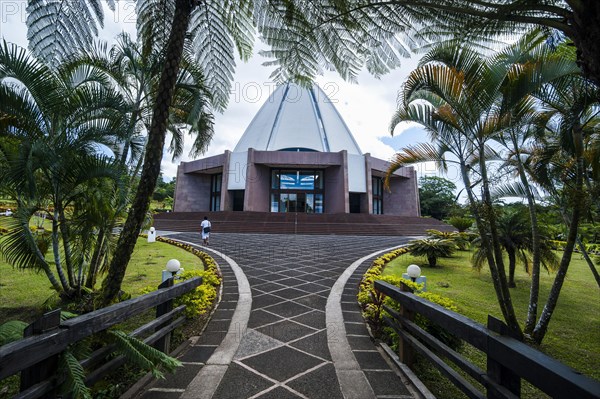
<point>192,192</point>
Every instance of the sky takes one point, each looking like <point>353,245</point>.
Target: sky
<point>366,107</point>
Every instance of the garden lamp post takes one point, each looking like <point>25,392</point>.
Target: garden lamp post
<point>413,272</point>
<point>173,267</point>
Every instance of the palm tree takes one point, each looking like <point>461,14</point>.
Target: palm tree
<point>432,248</point>
<point>564,163</point>
<point>514,232</point>
<point>455,95</point>
<point>133,69</point>
<point>52,122</point>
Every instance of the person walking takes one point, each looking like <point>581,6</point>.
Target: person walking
<point>205,225</point>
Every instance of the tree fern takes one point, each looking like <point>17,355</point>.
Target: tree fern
<point>56,28</point>
<point>74,376</point>
<point>143,355</point>
<point>11,331</point>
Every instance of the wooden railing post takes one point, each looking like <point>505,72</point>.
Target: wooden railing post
<point>47,367</point>
<point>405,351</point>
<point>496,371</point>
<point>163,344</point>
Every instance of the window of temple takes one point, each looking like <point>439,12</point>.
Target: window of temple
<point>215,191</point>
<point>377,196</point>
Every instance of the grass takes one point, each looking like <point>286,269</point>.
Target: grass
<point>24,292</point>
<point>574,332</point>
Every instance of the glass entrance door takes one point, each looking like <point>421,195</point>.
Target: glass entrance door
<point>297,191</point>
<point>292,202</point>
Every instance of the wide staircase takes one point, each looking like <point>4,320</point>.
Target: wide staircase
<point>299,223</point>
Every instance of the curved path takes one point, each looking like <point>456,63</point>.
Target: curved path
<point>288,325</point>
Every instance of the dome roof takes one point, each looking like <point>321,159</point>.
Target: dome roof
<point>295,118</point>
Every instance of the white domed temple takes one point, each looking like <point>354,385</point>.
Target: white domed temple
<point>296,156</point>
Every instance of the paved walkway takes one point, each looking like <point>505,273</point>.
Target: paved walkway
<point>288,324</point>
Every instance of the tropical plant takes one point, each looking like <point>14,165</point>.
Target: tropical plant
<point>514,232</point>
<point>11,330</point>
<point>51,124</point>
<point>513,87</point>
<point>133,69</point>
<point>455,94</point>
<point>566,165</point>
<point>461,240</point>
<point>461,223</point>
<point>432,249</point>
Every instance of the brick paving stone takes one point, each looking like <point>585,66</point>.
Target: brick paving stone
<point>318,384</point>
<point>386,383</point>
<point>312,301</point>
<point>276,364</point>
<point>285,330</point>
<point>315,319</point>
<point>197,354</point>
<point>288,309</point>
<point>238,382</point>
<point>315,344</point>
<point>371,361</point>
<point>260,318</point>
<point>180,378</point>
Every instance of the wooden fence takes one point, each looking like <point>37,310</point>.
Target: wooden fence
<point>36,356</point>
<point>508,359</point>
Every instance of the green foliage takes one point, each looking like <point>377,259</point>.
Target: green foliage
<point>11,331</point>
<point>432,248</point>
<point>164,191</point>
<point>461,223</point>
<point>461,240</point>
<point>372,301</point>
<point>199,300</point>
<point>436,196</point>
<point>74,376</point>
<point>143,355</point>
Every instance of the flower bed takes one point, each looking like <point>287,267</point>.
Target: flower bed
<point>373,301</point>
<point>199,301</point>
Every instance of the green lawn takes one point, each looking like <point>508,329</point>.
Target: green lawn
<point>574,332</point>
<point>23,292</point>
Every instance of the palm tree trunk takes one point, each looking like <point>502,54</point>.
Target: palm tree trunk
<point>153,156</point>
<point>432,260</point>
<point>42,260</point>
<point>586,36</point>
<point>90,280</point>
<point>56,252</point>
<point>512,265</point>
<point>541,327</point>
<point>66,241</point>
<point>485,244</point>
<point>534,291</point>
<point>511,317</point>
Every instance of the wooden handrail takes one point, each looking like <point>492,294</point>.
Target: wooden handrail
<point>542,371</point>
<point>19,355</point>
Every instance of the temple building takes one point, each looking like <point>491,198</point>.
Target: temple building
<point>297,155</point>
